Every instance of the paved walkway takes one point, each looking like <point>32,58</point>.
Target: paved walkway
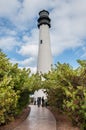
<point>39,119</point>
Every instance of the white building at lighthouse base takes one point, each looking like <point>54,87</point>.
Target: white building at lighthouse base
<point>39,93</point>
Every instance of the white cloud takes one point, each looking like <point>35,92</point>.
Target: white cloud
<point>28,49</point>
<point>68,26</point>
<point>32,38</point>
<point>30,46</point>
<point>8,43</point>
<point>7,32</point>
<point>27,63</point>
<point>8,8</point>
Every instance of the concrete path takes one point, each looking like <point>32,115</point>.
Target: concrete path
<point>39,119</point>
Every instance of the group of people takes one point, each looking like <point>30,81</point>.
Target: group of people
<point>40,101</point>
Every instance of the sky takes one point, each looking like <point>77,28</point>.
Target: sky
<point>19,34</point>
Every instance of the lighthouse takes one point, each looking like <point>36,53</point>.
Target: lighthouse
<point>44,53</point>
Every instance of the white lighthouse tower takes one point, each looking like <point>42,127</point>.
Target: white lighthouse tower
<point>44,53</point>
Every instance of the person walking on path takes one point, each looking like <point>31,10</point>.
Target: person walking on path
<point>43,101</point>
<point>39,101</point>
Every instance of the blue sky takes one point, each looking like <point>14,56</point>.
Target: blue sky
<point>19,35</point>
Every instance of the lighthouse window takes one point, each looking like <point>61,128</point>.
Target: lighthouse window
<point>40,41</point>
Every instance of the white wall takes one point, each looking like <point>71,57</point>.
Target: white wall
<point>44,54</point>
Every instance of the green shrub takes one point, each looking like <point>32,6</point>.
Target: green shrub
<point>14,89</point>
<point>66,89</point>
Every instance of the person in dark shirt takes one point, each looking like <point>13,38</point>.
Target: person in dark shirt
<point>42,101</point>
<point>39,101</point>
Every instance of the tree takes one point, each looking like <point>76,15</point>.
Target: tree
<point>15,87</point>
<point>66,90</point>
